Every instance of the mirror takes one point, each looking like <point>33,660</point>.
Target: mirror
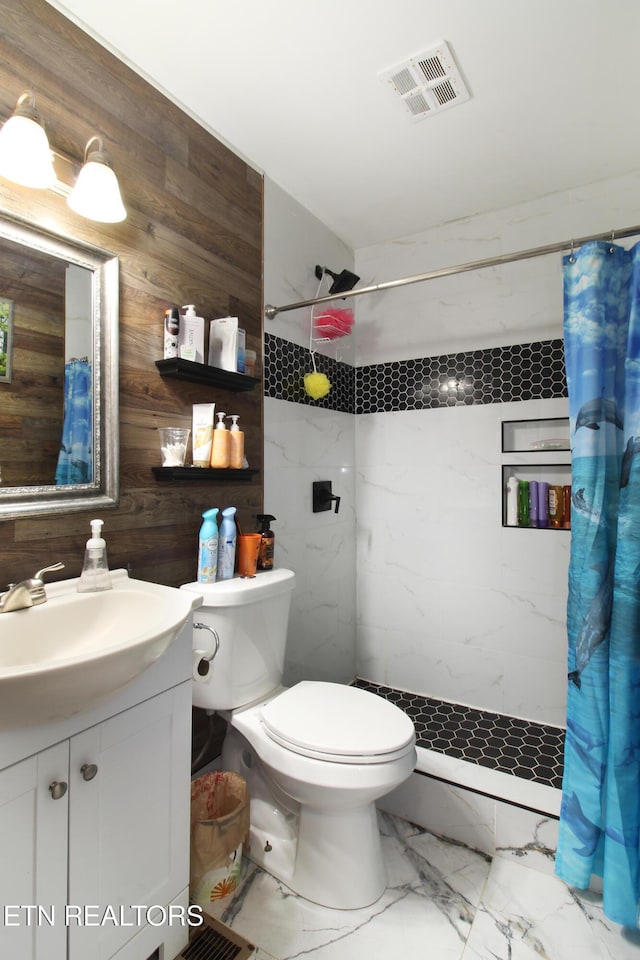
<point>58,373</point>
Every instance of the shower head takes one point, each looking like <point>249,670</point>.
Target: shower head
<point>343,281</point>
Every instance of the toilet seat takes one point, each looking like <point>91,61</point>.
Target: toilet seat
<point>337,723</point>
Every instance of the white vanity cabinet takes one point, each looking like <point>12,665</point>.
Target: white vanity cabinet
<point>33,855</point>
<point>99,821</point>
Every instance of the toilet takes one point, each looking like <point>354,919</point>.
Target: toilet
<point>316,756</point>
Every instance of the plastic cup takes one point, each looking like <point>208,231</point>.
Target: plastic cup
<point>248,549</point>
<point>173,445</point>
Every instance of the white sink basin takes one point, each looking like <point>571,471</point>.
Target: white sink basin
<point>77,649</point>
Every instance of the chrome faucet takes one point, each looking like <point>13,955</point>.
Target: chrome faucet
<point>27,593</point>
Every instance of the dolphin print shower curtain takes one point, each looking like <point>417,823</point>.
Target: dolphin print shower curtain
<point>600,815</point>
<point>75,460</point>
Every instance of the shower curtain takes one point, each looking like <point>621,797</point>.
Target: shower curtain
<point>600,814</point>
<point>75,460</point>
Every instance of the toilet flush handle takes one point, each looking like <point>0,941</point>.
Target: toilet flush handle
<point>203,657</point>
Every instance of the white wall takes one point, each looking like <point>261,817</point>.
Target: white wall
<point>305,443</point>
<point>516,303</point>
<point>450,603</point>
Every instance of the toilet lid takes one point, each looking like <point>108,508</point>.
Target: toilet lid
<point>335,721</point>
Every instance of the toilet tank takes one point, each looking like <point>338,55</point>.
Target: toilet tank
<point>250,618</point>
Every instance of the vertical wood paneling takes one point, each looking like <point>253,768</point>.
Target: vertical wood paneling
<point>193,235</point>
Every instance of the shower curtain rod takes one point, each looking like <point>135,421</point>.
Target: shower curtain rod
<point>270,311</point>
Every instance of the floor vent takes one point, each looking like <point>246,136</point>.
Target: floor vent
<point>427,83</point>
<point>214,941</point>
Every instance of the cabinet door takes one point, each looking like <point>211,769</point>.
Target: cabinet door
<point>33,845</point>
<point>129,821</point>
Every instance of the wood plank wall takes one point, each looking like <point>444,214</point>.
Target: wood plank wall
<point>31,405</point>
<point>193,235</point>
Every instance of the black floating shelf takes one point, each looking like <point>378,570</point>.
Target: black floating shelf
<point>203,473</point>
<point>181,369</point>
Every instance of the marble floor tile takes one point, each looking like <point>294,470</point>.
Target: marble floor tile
<point>444,901</point>
<point>526,915</point>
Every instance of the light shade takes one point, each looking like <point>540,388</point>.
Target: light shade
<point>96,194</point>
<point>25,155</point>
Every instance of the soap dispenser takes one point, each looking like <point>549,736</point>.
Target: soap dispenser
<point>236,444</point>
<point>95,571</point>
<point>221,445</point>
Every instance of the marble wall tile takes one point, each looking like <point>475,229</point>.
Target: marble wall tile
<point>449,602</point>
<point>303,444</point>
<point>448,811</point>
<point>294,242</point>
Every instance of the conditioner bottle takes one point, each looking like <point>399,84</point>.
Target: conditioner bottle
<point>221,444</point>
<point>236,444</point>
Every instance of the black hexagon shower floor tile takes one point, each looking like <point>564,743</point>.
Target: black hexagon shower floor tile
<point>532,751</point>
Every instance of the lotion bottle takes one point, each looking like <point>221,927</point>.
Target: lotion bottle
<point>221,444</point>
<point>236,444</point>
<point>227,544</point>
<point>208,547</point>
<point>95,575</point>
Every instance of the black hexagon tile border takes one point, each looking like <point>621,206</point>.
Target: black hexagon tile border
<point>532,751</point>
<point>285,364</point>
<point>525,371</point>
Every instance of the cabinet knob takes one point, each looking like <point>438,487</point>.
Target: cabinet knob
<point>88,771</point>
<point>57,789</point>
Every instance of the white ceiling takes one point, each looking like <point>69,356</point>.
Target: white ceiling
<point>292,85</point>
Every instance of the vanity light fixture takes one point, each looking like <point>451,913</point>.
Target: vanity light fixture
<point>25,154</point>
<point>96,194</point>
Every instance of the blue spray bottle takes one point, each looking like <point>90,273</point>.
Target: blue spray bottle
<point>227,544</point>
<point>208,547</point>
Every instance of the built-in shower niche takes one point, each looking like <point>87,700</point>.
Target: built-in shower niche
<point>535,450</point>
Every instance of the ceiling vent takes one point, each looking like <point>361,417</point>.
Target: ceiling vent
<point>428,82</point>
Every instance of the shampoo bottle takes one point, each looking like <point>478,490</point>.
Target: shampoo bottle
<point>533,502</point>
<point>543,503</point>
<point>208,547</point>
<point>268,542</point>
<point>95,571</point>
<point>221,445</point>
<point>556,497</point>
<point>227,544</point>
<point>236,444</point>
<point>523,503</point>
<point>566,507</point>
